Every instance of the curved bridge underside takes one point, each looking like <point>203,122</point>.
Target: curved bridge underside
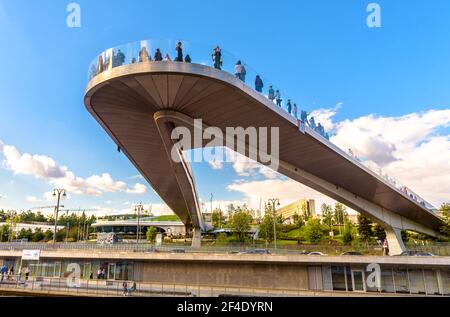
<point>140,104</point>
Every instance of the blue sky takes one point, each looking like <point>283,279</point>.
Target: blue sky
<point>320,51</point>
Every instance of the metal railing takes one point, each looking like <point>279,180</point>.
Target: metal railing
<point>441,249</point>
<point>56,286</point>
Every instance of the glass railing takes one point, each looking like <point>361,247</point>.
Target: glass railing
<point>391,180</point>
<point>160,51</point>
<point>208,55</point>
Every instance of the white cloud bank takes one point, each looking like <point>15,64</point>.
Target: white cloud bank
<point>46,168</point>
<point>408,148</point>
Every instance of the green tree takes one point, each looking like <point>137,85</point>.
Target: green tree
<point>4,233</point>
<point>25,234</point>
<point>379,232</point>
<point>240,222</point>
<point>38,235</point>
<point>340,214</point>
<point>327,215</point>
<point>151,234</point>
<point>266,227</point>
<point>364,228</point>
<point>313,231</point>
<point>48,235</point>
<point>445,211</point>
<point>347,236</point>
<point>218,218</point>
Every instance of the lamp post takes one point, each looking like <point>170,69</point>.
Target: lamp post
<point>57,192</point>
<point>138,209</point>
<point>274,201</point>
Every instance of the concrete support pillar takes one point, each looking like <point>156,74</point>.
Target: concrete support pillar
<point>196,238</point>
<point>394,238</point>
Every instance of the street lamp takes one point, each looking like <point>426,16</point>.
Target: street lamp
<point>138,209</point>
<point>274,201</point>
<point>57,192</point>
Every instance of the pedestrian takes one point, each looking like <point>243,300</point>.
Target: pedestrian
<point>167,58</point>
<point>289,106</point>
<point>304,116</point>
<point>217,57</point>
<point>258,84</point>
<point>240,71</point>
<point>143,55</point>
<point>100,64</point>
<point>179,51</point>
<point>187,59</point>
<point>11,273</point>
<point>27,273</point>
<point>91,276</point>
<point>3,272</point>
<point>278,98</point>
<point>271,93</point>
<point>294,110</point>
<point>158,55</point>
<point>104,273</point>
<point>385,247</point>
<point>125,288</point>
<point>321,129</point>
<point>312,123</point>
<point>99,274</point>
<point>118,59</point>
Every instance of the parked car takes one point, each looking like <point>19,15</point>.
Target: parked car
<point>415,253</point>
<point>256,251</point>
<point>352,253</point>
<point>316,253</point>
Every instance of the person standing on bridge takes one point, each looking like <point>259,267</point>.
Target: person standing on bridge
<point>143,55</point>
<point>294,110</point>
<point>312,123</point>
<point>167,58</point>
<point>240,71</point>
<point>304,116</point>
<point>179,51</point>
<point>278,98</point>
<point>271,95</point>
<point>289,106</point>
<point>158,55</point>
<point>217,57</point>
<point>258,84</point>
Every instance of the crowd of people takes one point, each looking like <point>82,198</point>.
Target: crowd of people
<point>9,273</point>
<point>118,59</point>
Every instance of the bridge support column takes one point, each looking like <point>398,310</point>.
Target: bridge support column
<point>395,242</point>
<point>196,238</point>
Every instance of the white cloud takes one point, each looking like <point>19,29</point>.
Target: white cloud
<point>137,189</point>
<point>407,148</point>
<point>33,199</point>
<point>46,168</point>
<point>286,190</point>
<point>324,116</point>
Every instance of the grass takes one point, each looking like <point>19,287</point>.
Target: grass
<point>166,218</point>
<point>296,233</point>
